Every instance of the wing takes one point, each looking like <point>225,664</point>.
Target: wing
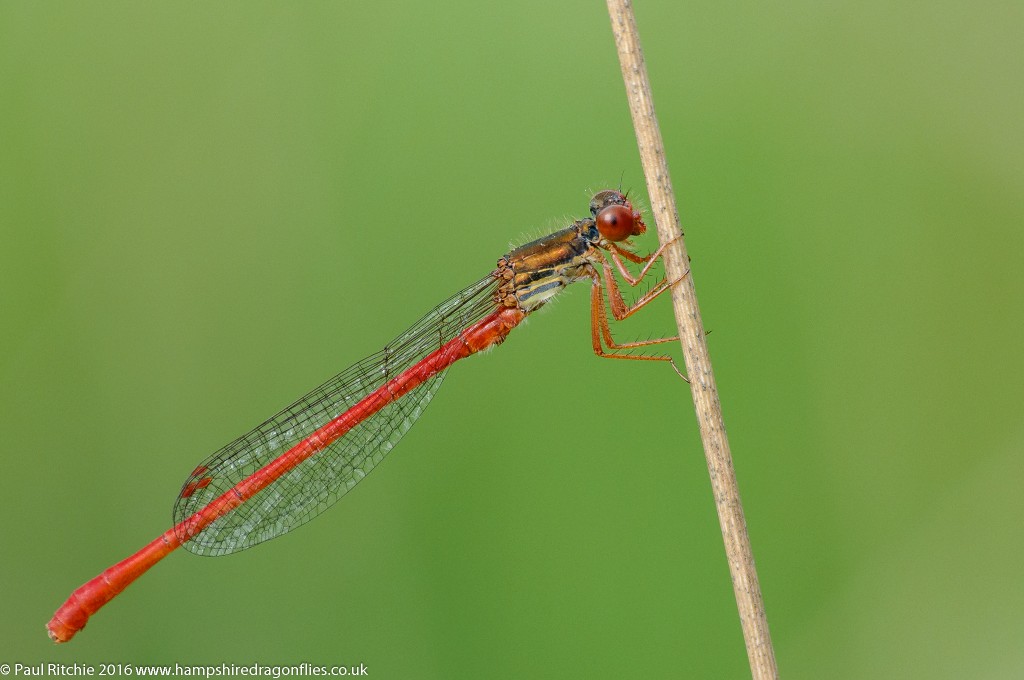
<point>318,482</point>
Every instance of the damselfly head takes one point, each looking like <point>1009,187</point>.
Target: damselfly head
<point>615,217</point>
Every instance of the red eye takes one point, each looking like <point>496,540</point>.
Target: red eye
<point>616,223</point>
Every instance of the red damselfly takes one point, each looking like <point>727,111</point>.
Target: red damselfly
<point>300,462</point>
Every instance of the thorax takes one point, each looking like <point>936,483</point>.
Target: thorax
<point>533,273</point>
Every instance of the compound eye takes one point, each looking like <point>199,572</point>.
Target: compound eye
<point>616,223</point>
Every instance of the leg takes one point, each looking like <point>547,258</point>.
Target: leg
<point>599,329</point>
<point>619,308</point>
<point>648,261</point>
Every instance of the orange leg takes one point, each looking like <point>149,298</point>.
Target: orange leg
<point>648,261</point>
<point>600,330</point>
<point>619,308</point>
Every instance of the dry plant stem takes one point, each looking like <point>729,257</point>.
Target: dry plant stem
<point>691,333</point>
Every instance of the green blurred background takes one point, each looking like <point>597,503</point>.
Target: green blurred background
<point>208,209</point>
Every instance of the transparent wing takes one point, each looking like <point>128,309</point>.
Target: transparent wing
<point>325,476</point>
